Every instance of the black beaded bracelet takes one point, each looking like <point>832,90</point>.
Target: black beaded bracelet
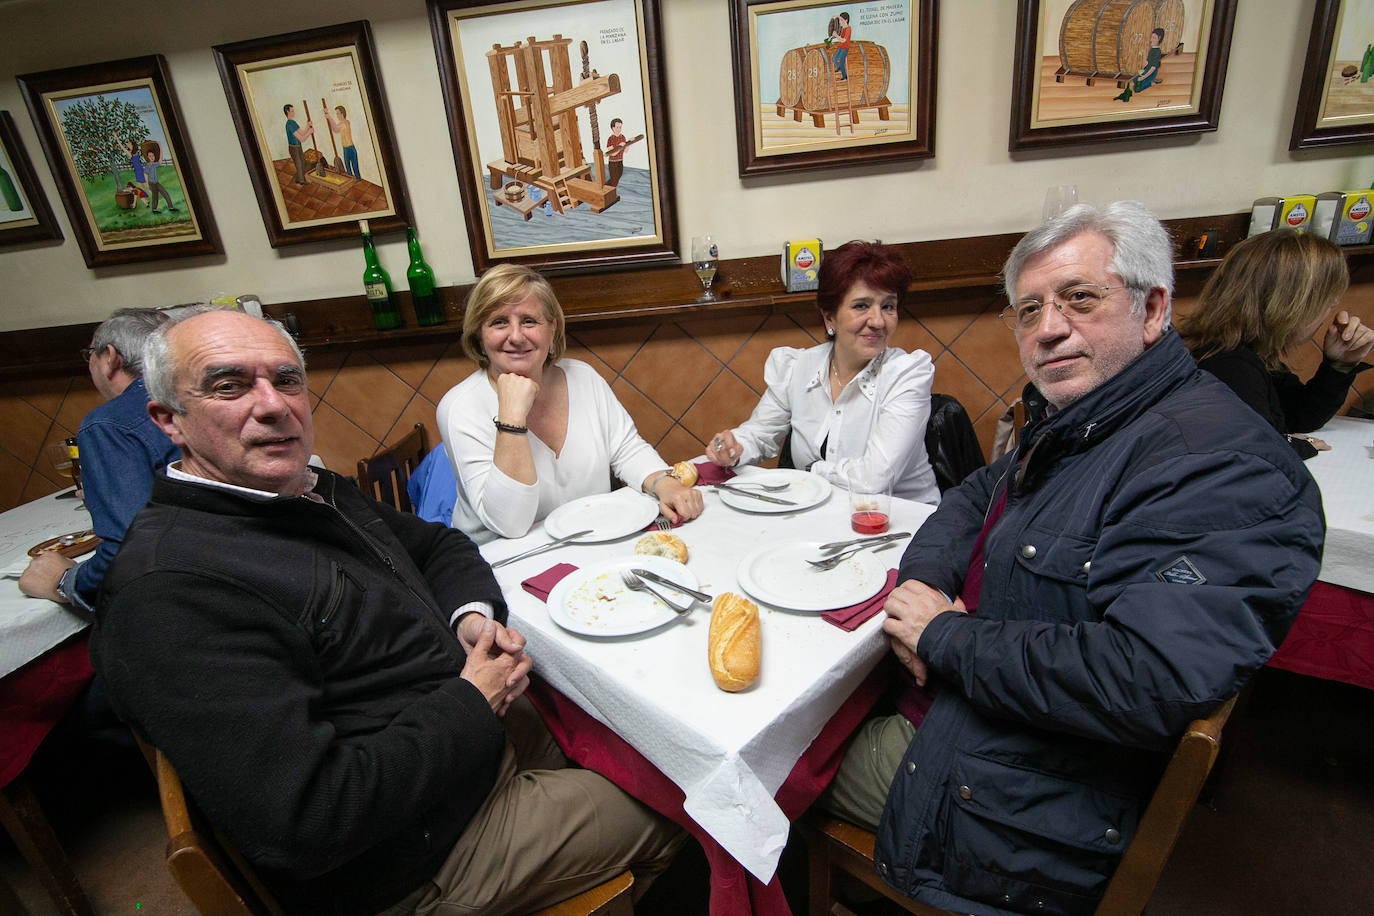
<point>507,428</point>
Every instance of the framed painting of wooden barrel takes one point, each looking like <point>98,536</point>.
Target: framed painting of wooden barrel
<point>1336,95</point>
<point>1117,69</point>
<point>823,85</point>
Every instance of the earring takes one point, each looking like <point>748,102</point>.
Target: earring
<point>829,332</point>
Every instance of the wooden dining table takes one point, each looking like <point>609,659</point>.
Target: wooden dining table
<point>732,768</point>
<point>43,669</point>
<point>1333,636</point>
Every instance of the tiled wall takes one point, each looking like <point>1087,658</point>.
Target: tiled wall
<point>681,380</point>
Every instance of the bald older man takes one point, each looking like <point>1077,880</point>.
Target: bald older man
<point>332,679</point>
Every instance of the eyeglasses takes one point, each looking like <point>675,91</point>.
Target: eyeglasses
<point>1073,302</point>
<point>86,353</point>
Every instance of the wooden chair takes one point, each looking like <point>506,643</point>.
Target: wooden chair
<point>384,475</point>
<point>219,882</point>
<point>837,846</point>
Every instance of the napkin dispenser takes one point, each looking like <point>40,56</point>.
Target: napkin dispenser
<point>801,264</point>
<point>1343,217</point>
<point>1292,212</point>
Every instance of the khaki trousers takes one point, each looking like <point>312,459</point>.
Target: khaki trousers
<point>546,832</point>
<point>859,790</point>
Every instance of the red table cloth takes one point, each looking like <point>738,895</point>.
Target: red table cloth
<point>1333,637</point>
<point>35,697</point>
<point>734,892</point>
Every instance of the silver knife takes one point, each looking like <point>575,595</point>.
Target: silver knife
<point>542,547</point>
<point>751,493</point>
<point>839,545</point>
<point>653,577</point>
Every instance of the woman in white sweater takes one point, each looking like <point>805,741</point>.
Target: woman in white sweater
<point>853,401</point>
<point>529,431</point>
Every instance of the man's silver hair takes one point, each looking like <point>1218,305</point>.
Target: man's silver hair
<point>1142,252</point>
<point>160,372</point>
<point>127,330</point>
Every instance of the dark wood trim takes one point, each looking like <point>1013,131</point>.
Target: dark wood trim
<point>1315,75</point>
<point>744,286</point>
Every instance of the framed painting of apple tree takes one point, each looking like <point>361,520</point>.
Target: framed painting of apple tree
<point>124,168</point>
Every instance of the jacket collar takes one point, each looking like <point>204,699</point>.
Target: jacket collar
<point>867,378</point>
<point>1111,405</point>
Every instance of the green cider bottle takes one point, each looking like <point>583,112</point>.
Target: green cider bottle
<point>428,309</point>
<point>376,283</point>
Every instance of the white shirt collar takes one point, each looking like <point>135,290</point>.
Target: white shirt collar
<point>175,472</point>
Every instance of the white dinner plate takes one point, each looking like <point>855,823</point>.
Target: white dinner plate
<point>803,488</point>
<point>593,601</point>
<point>779,575</point>
<point>608,515</point>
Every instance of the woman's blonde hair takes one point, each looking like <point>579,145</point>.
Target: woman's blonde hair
<point>1268,289</point>
<point>499,287</point>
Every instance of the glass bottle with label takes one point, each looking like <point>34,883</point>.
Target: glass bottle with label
<point>428,309</point>
<point>376,283</point>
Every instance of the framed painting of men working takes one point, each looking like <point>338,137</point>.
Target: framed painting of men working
<point>556,115</point>
<point>315,131</point>
<point>124,168</point>
<point>820,84</point>
<point>1117,69</point>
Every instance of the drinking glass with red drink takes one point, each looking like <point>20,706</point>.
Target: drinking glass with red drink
<point>870,497</point>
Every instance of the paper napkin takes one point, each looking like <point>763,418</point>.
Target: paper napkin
<point>849,618</point>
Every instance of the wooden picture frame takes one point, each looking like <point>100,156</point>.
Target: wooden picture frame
<point>538,170</point>
<point>93,122</point>
<point>343,165</point>
<point>1336,95</point>
<point>25,215</point>
<point>804,101</point>
<point>1085,70</point>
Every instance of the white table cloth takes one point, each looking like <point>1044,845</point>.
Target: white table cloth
<point>1346,478</point>
<point>31,626</point>
<point>729,753</point>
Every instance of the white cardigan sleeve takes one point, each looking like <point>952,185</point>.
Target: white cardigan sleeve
<point>761,435</point>
<point>485,494</point>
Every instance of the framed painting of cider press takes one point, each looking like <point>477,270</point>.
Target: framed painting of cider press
<point>1117,69</point>
<point>824,84</point>
<point>558,118</point>
<point>315,132</point>
<point>125,169</point>
<point>24,212</point>
<point>1336,95</point>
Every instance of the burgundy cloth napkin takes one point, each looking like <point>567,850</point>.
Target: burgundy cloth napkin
<point>539,586</point>
<point>849,618</point>
<point>710,472</point>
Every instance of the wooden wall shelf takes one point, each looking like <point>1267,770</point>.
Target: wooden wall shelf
<point>744,286</point>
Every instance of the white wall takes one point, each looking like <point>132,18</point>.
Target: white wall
<point>973,186</point>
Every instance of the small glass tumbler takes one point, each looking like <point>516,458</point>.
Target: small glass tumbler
<point>870,501</point>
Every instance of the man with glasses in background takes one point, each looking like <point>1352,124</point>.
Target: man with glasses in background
<point>1073,606</point>
<point>121,451</point>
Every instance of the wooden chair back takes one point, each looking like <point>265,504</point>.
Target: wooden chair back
<point>836,846</point>
<point>384,475</point>
<point>218,882</point>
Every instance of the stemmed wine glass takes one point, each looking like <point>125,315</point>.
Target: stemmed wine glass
<point>704,256</point>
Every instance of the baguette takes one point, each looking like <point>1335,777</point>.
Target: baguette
<point>733,642</point>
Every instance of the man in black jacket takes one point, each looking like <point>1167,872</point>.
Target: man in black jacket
<point>333,679</point>
<point>1078,602</point>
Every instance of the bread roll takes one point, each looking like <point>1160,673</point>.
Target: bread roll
<point>733,642</point>
<point>685,472</point>
<point>662,544</point>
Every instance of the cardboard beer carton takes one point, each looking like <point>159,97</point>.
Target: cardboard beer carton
<point>801,264</point>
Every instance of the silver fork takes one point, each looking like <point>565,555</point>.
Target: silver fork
<point>662,524</point>
<point>766,487</point>
<point>637,584</point>
<point>837,559</point>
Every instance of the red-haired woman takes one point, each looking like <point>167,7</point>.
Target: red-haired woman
<point>853,399</point>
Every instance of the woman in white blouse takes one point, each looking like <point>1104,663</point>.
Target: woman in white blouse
<point>529,431</point>
<point>852,401</point>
